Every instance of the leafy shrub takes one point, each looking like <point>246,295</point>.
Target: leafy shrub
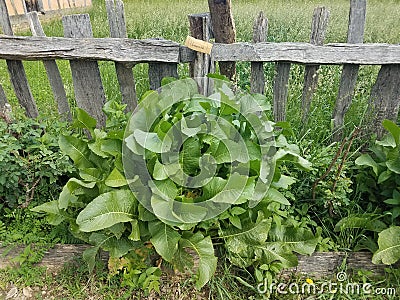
<point>32,166</point>
<point>101,209</point>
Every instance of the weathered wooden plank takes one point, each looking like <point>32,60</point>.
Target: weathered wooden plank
<point>319,264</point>
<point>260,30</point>
<point>17,71</point>
<point>151,50</point>
<point>3,97</point>
<point>119,50</point>
<point>200,28</point>
<point>384,101</point>
<point>305,53</point>
<point>5,107</point>
<point>157,71</point>
<point>318,29</point>
<point>88,87</point>
<point>355,35</point>
<point>224,31</point>
<point>53,73</point>
<point>116,21</point>
<point>281,91</point>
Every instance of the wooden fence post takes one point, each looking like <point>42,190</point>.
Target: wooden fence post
<point>384,101</point>
<point>224,30</point>
<point>116,20</point>
<point>355,35</point>
<point>157,71</point>
<point>281,86</point>
<point>89,93</point>
<point>318,29</point>
<point>17,71</point>
<point>200,28</point>
<point>53,73</point>
<point>260,30</point>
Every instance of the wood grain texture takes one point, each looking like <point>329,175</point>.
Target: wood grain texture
<point>224,30</point>
<point>260,30</point>
<point>355,35</point>
<point>200,28</point>
<point>281,82</point>
<point>17,71</point>
<point>3,97</point>
<point>116,20</point>
<point>53,73</point>
<point>88,87</point>
<point>319,264</point>
<point>152,50</point>
<point>158,71</point>
<point>318,29</point>
<point>384,101</point>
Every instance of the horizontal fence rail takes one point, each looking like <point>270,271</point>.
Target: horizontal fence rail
<point>152,50</point>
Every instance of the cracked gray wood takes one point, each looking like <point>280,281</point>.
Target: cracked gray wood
<point>200,28</point>
<point>16,70</point>
<point>53,73</point>
<point>260,30</point>
<point>348,80</point>
<point>281,86</point>
<point>318,29</point>
<point>88,87</point>
<point>116,21</point>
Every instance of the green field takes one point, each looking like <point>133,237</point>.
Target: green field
<point>288,21</point>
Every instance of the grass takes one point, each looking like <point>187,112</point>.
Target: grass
<point>288,21</point>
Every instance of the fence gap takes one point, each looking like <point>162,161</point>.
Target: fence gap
<point>116,21</point>
<point>281,86</point>
<point>200,28</point>
<point>53,73</point>
<point>260,31</point>
<point>89,92</point>
<point>317,37</point>
<point>355,35</point>
<point>16,70</point>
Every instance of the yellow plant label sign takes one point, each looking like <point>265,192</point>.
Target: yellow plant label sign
<point>198,45</point>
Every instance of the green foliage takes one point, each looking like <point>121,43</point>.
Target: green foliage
<point>389,246</point>
<point>379,177</point>
<point>101,209</point>
<point>33,168</point>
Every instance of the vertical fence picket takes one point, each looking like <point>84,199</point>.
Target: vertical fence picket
<point>17,71</point>
<point>384,101</point>
<point>88,87</point>
<point>116,20</point>
<point>318,29</point>
<point>260,31</point>
<point>200,28</point>
<point>53,73</point>
<point>281,86</point>
<point>157,71</point>
<point>348,80</point>
<point>3,98</point>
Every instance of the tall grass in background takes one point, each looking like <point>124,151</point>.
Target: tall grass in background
<point>288,21</point>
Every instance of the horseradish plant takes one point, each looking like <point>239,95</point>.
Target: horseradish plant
<point>187,174</point>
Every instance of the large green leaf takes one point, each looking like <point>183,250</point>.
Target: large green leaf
<point>164,239</point>
<point>364,221</point>
<point>367,160</point>
<point>54,215</point>
<point>204,250</point>
<point>151,141</point>
<point>277,252</point>
<point>77,150</point>
<point>115,179</point>
<point>83,120</point>
<point>393,129</point>
<point>190,156</point>
<point>300,240</point>
<point>72,189</point>
<point>106,210</point>
<point>389,246</point>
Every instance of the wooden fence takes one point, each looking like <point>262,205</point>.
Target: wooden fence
<point>83,51</point>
